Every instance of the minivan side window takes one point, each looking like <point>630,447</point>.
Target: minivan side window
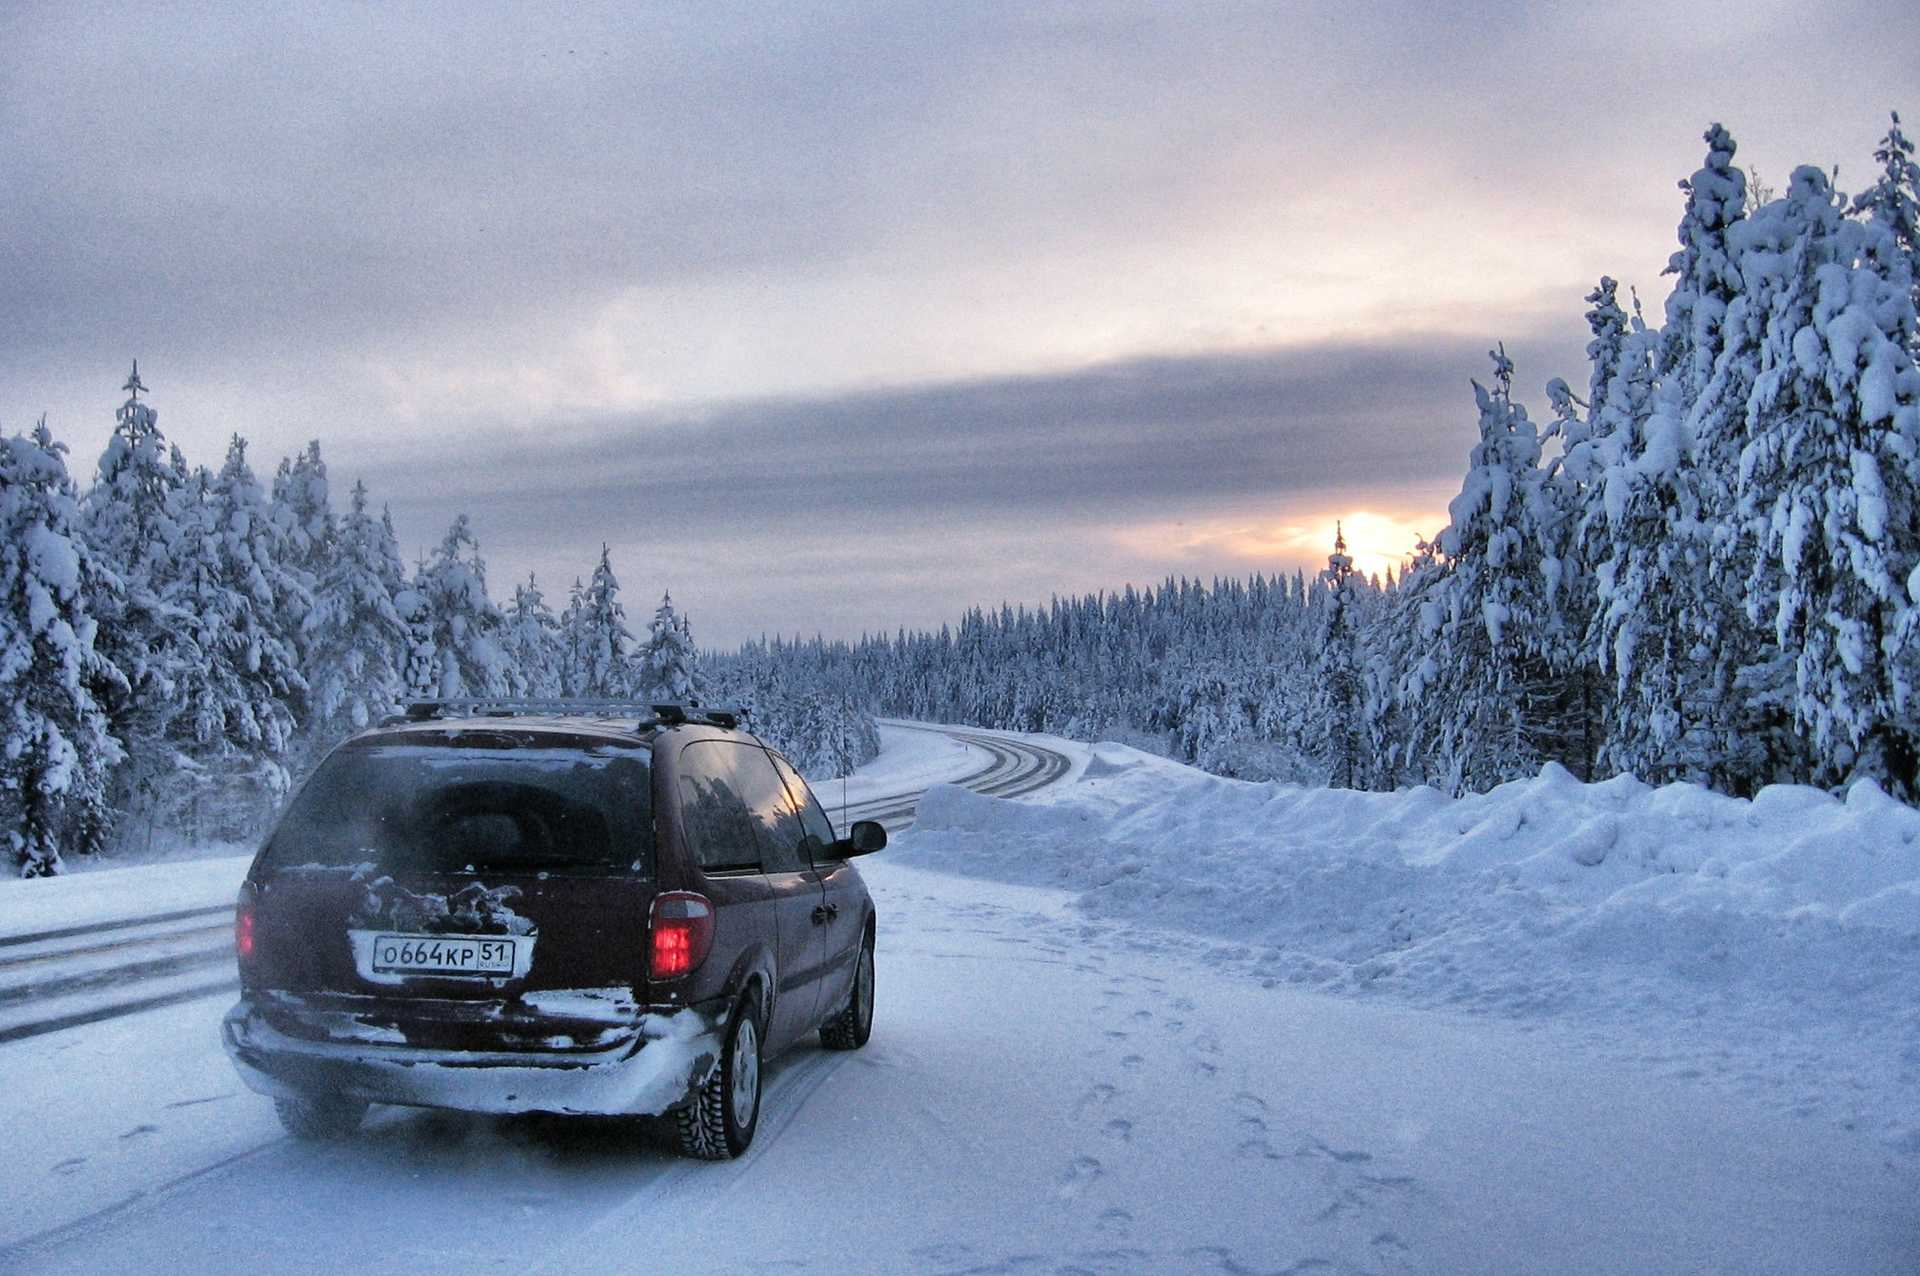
<point>818,828</point>
<point>714,809</point>
<point>773,810</point>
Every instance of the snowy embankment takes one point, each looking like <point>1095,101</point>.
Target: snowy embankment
<point>1773,944</point>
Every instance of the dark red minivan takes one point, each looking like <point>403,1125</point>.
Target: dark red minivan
<point>572,907</point>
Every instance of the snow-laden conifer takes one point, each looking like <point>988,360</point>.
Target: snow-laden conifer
<point>667,662</point>
<point>238,696</point>
<point>127,518</point>
<point>1339,697</point>
<point>1893,201</point>
<point>597,638</point>
<point>1829,472</point>
<point>55,747</point>
<point>532,642</point>
<point>1662,613</point>
<point>454,627</point>
<point>1496,600</point>
<point>355,637</point>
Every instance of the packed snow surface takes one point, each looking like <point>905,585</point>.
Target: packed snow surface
<point>1774,943</point>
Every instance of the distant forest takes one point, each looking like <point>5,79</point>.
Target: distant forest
<point>1704,566</point>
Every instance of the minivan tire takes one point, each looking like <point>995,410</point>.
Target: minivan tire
<point>719,1124</point>
<point>850,1028</point>
<point>320,1116</point>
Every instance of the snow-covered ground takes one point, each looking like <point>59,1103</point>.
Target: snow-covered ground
<point>1770,945</point>
<point>1129,1062</point>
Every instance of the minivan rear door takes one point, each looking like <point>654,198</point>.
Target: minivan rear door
<point>461,866</point>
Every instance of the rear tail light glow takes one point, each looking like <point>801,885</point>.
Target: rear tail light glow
<point>682,931</point>
<point>243,922</point>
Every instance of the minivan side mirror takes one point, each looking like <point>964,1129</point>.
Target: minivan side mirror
<point>864,838</point>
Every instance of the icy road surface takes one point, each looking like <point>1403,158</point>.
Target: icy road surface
<point>1044,1093</point>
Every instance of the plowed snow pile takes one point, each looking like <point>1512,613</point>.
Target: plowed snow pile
<point>1772,943</point>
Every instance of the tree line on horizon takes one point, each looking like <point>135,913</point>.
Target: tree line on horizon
<point>1706,567</point>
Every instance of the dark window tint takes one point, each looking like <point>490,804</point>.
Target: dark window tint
<point>750,777</point>
<point>720,825</point>
<point>817,828</point>
<point>434,808</point>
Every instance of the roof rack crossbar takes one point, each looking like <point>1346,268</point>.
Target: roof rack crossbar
<point>427,709</point>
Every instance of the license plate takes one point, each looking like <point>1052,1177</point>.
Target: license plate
<point>441,955</point>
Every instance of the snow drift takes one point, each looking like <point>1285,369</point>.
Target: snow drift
<point>1790,922</point>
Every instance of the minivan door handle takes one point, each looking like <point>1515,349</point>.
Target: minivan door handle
<point>825,913</point>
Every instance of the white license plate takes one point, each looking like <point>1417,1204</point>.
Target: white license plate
<point>441,955</point>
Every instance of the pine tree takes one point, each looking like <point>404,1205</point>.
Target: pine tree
<point>127,519</point>
<point>1488,705</point>
<point>667,661</point>
<point>1340,691</point>
<point>55,747</point>
<point>232,741</point>
<point>533,642</point>
<point>355,636</point>
<point>1893,201</point>
<point>598,637</point>
<point>454,625</point>
<point>1829,476</point>
<point>1663,614</point>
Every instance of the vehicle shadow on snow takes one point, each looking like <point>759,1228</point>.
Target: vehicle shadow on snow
<point>446,1139</point>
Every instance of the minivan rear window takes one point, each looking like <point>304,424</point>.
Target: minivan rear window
<point>458,809</point>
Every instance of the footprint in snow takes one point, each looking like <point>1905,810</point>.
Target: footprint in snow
<point>139,1130</point>
<point>70,1165</point>
<point>1096,1097</point>
<point>1132,1060</point>
<point>1247,1103</point>
<point>1119,1130</point>
<point>1115,1220</point>
<point>1080,1174</point>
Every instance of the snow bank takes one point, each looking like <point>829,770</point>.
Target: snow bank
<point>1791,920</point>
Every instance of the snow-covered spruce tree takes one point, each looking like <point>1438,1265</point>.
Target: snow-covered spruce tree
<point>1339,694</point>
<point>597,637</point>
<point>1488,706</point>
<point>55,748</point>
<point>532,641</point>
<point>454,626</point>
<point>696,676</point>
<point>667,661</point>
<point>354,635</point>
<point>1893,201</point>
<point>1830,476</point>
<point>1662,613</point>
<point>127,519</point>
<point>303,517</point>
<point>240,696</point>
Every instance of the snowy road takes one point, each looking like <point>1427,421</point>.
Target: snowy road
<point>1043,1094</point>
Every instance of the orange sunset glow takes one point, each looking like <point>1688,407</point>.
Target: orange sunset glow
<point>1377,542</point>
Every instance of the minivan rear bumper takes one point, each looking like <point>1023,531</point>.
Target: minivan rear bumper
<point>662,1061</point>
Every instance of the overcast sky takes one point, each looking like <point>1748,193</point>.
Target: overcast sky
<point>833,317</point>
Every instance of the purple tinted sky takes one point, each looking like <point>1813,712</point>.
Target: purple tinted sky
<point>832,317</point>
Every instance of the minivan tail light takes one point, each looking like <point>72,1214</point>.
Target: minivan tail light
<point>243,924</point>
<point>682,930</point>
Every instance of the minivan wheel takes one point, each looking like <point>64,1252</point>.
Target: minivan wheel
<point>720,1122</point>
<point>320,1116</point>
<point>850,1028</point>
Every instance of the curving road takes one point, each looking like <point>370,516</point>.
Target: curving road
<point>55,979</point>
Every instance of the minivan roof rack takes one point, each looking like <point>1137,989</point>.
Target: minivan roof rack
<point>650,715</point>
